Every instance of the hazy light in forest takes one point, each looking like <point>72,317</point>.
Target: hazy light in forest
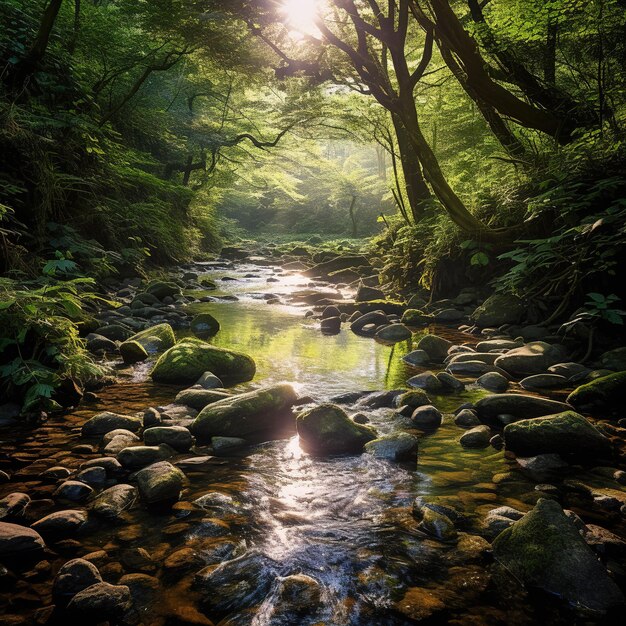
<point>301,16</point>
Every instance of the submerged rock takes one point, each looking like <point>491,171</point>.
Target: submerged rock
<point>566,433</point>
<point>544,549</point>
<point>605,394</point>
<point>394,447</point>
<point>327,429</point>
<point>190,358</point>
<point>204,326</point>
<point>236,584</point>
<point>105,422</point>
<point>249,413</point>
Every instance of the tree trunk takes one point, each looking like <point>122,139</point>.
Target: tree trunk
<point>31,61</point>
<point>497,125</point>
<point>353,218</point>
<point>417,191</point>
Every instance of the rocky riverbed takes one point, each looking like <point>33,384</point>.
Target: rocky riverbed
<point>256,463</point>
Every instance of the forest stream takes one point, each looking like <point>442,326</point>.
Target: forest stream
<point>301,539</point>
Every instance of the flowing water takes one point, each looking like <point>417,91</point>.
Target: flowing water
<point>344,521</point>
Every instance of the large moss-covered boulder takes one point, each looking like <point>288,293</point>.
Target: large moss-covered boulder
<point>519,405</point>
<point>602,395</point>
<point>327,429</point>
<point>266,409</point>
<point>545,550</point>
<point>567,433</point>
<point>190,358</point>
<point>204,326</point>
<point>498,309</point>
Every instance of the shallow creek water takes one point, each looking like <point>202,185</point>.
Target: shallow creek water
<point>345,521</point>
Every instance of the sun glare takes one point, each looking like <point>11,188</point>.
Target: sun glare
<point>301,16</point>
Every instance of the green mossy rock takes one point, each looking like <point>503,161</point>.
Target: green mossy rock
<point>161,289</point>
<point>567,433</point>
<point>163,332</point>
<point>327,429</point>
<point>399,446</point>
<point>204,326</point>
<point>160,483</point>
<point>498,309</point>
<point>544,549</point>
<point>415,317</point>
<point>250,413</point>
<point>190,358</point>
<point>414,399</point>
<point>132,352</point>
<point>606,394</point>
<point>394,333</point>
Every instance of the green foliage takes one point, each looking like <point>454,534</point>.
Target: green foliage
<point>40,344</point>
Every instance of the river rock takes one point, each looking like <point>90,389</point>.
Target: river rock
<point>427,417</point>
<point>415,318</point>
<point>177,437</point>
<point>160,483</point>
<point>398,446</point>
<point>249,413</point>
<point>566,433</point>
<point>413,398</point>
<point>602,395</point>
<point>118,442</point>
<point>105,422</point>
<point>500,519</point>
<point>493,381</point>
<point>367,294</point>
<point>327,429</point>
<point>60,523</point>
<point>461,357</point>
<point>204,326</point>
<point>614,359</point>
<point>331,325</point>
<point>298,593</point>
<point>450,383</point>
<point>199,398</point>
<point>544,549</point>
<point>416,358</point>
<point>161,289</point>
<point>497,310</point>
<point>498,345</point>
<point>466,418</point>
<point>237,584</point>
<point>330,311</point>
<point>15,540</point>
<point>435,523</point>
<point>209,381</point>
<point>533,358</point>
<point>97,344</point>
<point>394,333</point>
<point>375,318</point>
<point>134,457</point>
<point>426,381</point>
<point>132,352</point>
<point>73,490</point>
<point>225,445</point>
<point>519,405</point>
<point>435,347</point>
<point>73,577</point>
<point>112,502</point>
<point>101,602</point>
<point>571,371</point>
<point>13,505</point>
<point>477,437</point>
<point>111,465</point>
<point>537,382</point>
<point>190,358</point>
<point>469,368</point>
